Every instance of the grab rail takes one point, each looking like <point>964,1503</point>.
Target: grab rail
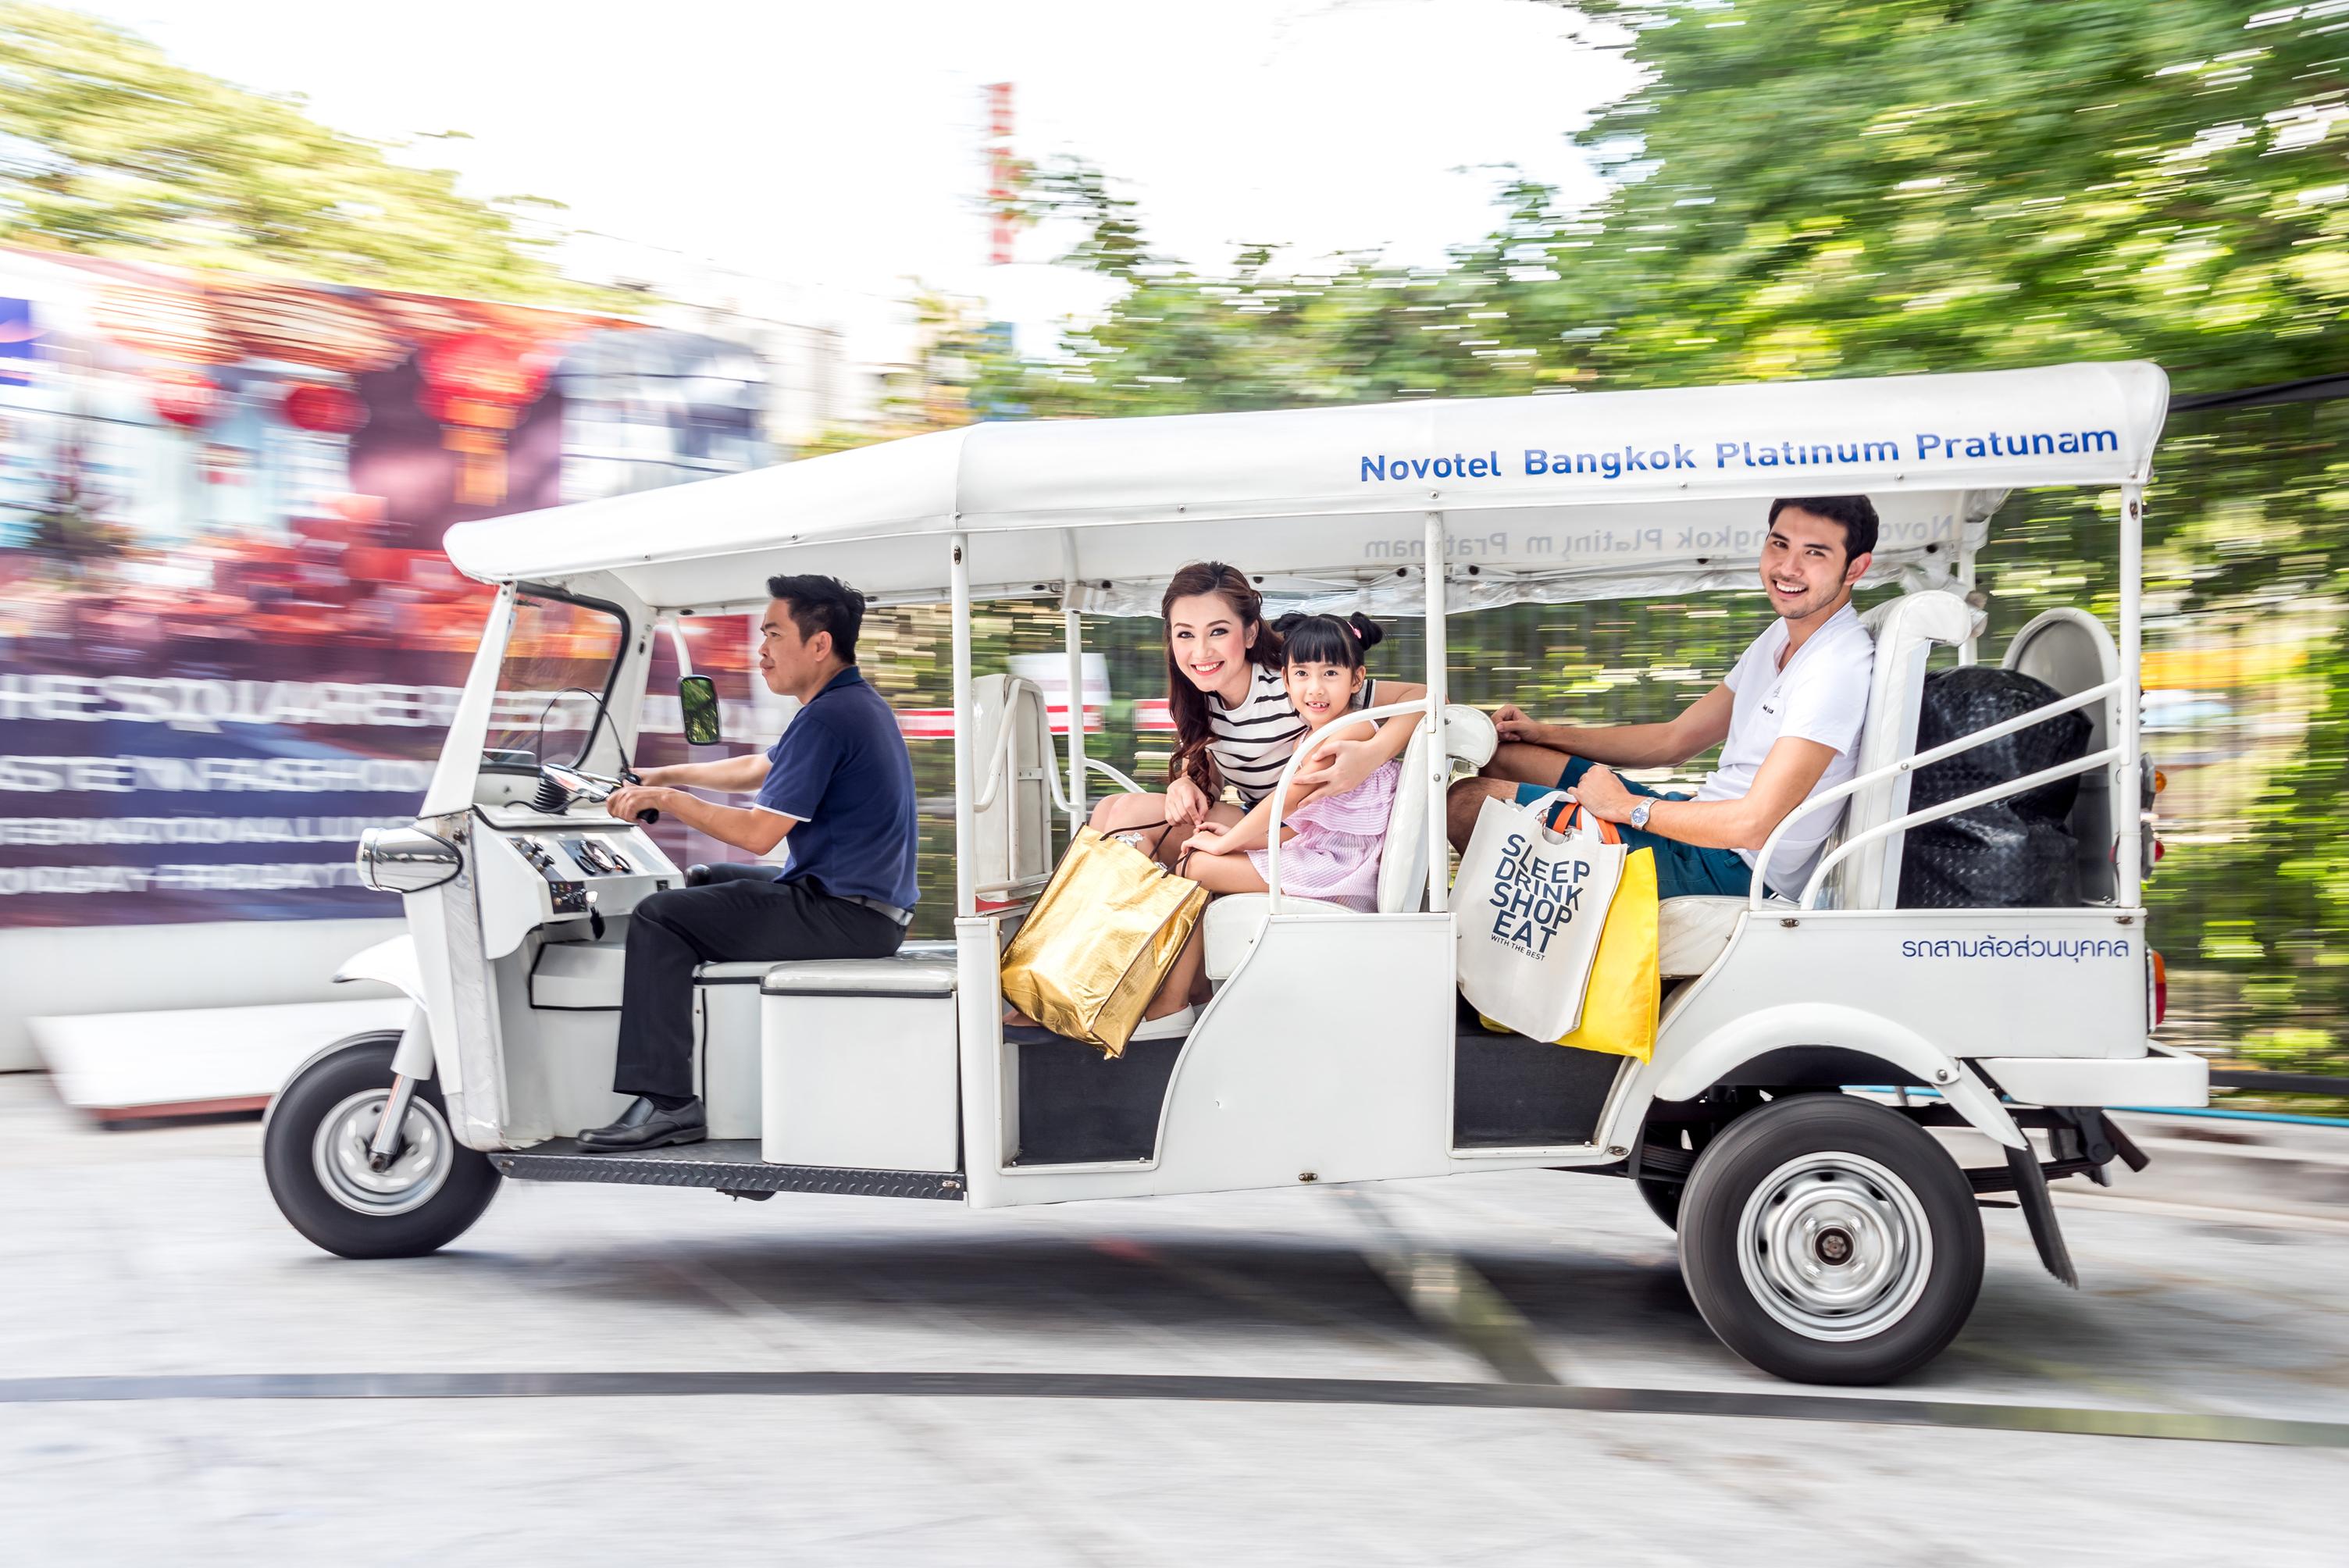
<point>995,773</point>
<point>1313,743</point>
<point>1095,765</point>
<point>1893,770</point>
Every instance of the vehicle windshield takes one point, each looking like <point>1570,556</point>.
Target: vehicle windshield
<point>558,662</point>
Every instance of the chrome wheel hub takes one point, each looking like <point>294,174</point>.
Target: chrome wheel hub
<point>1835,1246</point>
<point>419,1168</point>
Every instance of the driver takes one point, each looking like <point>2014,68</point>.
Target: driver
<point>838,787</point>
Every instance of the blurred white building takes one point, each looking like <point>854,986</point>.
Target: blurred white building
<point>795,329</point>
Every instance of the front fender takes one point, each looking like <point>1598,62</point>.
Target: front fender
<point>391,963</point>
<point>1691,1072</point>
<point>394,964</point>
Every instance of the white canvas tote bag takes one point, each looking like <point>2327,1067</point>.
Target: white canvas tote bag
<point>1529,905</point>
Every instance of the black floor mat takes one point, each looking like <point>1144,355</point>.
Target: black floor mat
<point>1077,1104</point>
<point>1509,1091</point>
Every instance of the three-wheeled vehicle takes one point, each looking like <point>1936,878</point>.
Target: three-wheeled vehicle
<point>1825,1234</point>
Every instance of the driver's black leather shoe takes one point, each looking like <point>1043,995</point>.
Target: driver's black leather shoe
<point>644,1125</point>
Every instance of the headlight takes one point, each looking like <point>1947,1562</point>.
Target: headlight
<point>406,859</point>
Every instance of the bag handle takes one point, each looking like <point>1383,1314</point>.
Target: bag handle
<point>1164,827</point>
<point>1581,820</point>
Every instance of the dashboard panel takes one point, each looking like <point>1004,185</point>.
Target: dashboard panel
<point>536,869</point>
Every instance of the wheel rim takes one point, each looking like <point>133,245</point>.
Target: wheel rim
<point>421,1168</point>
<point>1835,1246</point>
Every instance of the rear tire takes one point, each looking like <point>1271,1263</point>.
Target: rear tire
<point>313,1151</point>
<point>1829,1240</point>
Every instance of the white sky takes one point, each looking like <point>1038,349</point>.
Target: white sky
<point>837,147</point>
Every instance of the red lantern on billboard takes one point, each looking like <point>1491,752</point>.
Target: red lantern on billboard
<point>481,368</point>
<point>187,399</point>
<point>477,384</point>
<point>323,410</point>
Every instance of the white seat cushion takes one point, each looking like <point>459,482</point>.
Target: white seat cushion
<point>750,971</point>
<point>1690,933</point>
<point>913,970</point>
<point>747,972</point>
<point>1233,921</point>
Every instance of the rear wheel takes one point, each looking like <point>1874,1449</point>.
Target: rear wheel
<point>314,1151</point>
<point>1829,1240</point>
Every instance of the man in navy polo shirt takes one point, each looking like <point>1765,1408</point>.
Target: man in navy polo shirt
<point>838,787</point>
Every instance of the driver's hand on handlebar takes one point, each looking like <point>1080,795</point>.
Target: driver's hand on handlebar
<point>629,800</point>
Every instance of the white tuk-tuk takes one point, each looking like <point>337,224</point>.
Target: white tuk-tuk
<point>1825,1233</point>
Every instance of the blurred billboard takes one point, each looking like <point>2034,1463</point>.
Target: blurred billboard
<point>229,639</point>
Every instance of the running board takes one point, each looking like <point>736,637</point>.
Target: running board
<point>727,1165</point>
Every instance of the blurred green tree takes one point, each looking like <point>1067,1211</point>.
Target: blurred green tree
<point>1805,187</point>
<point>108,147</point>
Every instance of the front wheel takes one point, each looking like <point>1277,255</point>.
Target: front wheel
<point>314,1151</point>
<point>1829,1240</point>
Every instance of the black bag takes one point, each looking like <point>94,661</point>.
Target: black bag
<point>2014,853</point>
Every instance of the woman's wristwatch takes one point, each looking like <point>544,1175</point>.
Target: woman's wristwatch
<point>1639,817</point>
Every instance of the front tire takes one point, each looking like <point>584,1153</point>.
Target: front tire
<point>314,1153</point>
<point>1829,1240</point>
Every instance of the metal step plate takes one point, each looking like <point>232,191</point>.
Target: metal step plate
<point>730,1164</point>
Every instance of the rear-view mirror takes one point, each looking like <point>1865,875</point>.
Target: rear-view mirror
<point>697,695</point>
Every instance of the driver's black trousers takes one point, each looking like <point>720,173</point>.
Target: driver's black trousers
<point>742,913</point>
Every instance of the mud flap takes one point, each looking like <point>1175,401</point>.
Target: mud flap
<point>2039,1208</point>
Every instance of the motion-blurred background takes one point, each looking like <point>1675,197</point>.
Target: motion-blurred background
<point>259,350</point>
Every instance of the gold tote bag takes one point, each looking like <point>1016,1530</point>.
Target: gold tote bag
<point>1099,941</point>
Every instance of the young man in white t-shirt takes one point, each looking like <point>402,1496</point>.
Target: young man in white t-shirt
<point>1787,721</point>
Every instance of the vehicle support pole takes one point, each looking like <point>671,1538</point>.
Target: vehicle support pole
<point>1439,763</point>
<point>1971,648</point>
<point>1073,631</point>
<point>965,733</point>
<point>676,630</point>
<point>2128,813</point>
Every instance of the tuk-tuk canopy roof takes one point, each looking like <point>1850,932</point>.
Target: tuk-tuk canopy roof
<point>1546,498</point>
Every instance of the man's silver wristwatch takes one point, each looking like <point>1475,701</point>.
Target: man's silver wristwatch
<point>1639,814</point>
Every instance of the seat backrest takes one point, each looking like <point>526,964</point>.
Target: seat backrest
<point>1468,737</point>
<point>2070,650</point>
<point>1906,630</point>
<point>1011,817</point>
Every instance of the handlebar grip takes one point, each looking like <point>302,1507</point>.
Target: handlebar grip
<point>648,816</point>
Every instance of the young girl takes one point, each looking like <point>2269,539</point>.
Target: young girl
<point>1236,724</point>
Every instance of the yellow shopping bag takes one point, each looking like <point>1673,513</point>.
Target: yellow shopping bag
<point>1099,939</point>
<point>1618,1010</point>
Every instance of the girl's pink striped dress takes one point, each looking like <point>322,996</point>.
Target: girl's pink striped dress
<point>1335,855</point>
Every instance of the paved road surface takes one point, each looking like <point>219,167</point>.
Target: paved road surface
<point>143,1260</point>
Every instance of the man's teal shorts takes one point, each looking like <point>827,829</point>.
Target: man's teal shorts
<point>1682,869</point>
